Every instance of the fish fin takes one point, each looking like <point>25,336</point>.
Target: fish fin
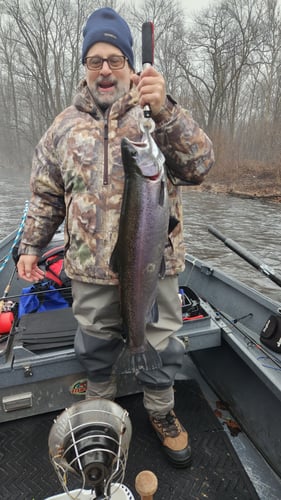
<point>162,194</point>
<point>133,362</point>
<point>162,270</point>
<point>173,222</point>
<point>153,316</point>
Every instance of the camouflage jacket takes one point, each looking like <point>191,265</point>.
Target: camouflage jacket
<point>77,177</point>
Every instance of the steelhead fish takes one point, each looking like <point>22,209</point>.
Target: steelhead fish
<point>138,256</point>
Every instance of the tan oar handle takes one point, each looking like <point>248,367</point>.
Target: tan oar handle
<point>146,484</point>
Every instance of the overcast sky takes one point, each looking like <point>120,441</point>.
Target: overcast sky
<point>190,6</point>
<point>193,5</point>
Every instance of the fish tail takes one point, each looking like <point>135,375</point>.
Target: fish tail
<point>133,362</point>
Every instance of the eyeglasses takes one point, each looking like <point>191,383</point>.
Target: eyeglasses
<point>95,63</point>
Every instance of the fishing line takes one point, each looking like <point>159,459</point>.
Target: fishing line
<point>17,237</point>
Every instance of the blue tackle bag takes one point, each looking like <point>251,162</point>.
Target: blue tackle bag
<point>40,297</point>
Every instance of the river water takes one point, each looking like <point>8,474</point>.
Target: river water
<point>253,224</point>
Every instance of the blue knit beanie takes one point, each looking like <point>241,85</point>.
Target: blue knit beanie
<point>105,25</point>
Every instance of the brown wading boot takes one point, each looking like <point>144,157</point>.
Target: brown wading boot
<point>174,439</point>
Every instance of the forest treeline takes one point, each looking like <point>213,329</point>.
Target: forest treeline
<point>223,65</point>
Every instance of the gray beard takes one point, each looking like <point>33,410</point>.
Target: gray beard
<point>105,105</point>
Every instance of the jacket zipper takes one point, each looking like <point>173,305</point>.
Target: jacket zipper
<point>105,151</point>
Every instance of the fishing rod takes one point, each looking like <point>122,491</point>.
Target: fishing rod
<point>147,54</point>
<point>17,237</point>
<point>247,256</point>
<point>38,292</point>
<point>7,289</point>
<point>8,256</point>
<point>251,340</point>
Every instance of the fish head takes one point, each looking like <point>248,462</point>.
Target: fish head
<point>143,158</point>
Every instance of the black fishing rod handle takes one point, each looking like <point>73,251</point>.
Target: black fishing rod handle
<point>147,54</point>
<point>147,43</point>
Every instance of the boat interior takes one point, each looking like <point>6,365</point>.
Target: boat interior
<point>227,394</point>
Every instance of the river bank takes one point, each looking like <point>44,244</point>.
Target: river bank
<point>248,180</point>
<point>272,193</point>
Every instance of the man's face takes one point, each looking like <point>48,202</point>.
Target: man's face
<point>106,84</point>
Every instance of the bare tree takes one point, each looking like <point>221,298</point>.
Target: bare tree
<point>264,90</point>
<point>41,63</point>
<point>40,52</point>
<point>224,66</point>
<point>169,30</point>
<point>217,55</point>
<point>10,128</point>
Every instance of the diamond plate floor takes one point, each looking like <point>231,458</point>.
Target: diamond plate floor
<point>215,474</point>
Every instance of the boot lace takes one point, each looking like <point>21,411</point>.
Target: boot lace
<point>168,425</point>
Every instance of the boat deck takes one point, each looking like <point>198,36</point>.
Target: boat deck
<point>224,467</point>
<point>35,388</point>
<point>216,471</point>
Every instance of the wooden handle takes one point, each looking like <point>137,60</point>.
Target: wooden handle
<point>146,484</point>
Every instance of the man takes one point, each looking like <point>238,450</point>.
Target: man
<point>78,176</point>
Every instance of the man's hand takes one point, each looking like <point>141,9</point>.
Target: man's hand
<point>151,88</point>
<point>28,268</point>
